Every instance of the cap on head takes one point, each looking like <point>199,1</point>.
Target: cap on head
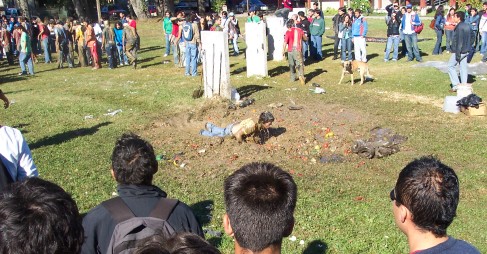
<point>409,6</point>
<point>231,14</point>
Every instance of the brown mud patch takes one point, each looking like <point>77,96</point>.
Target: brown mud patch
<point>318,130</point>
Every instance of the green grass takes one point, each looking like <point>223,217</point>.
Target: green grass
<point>74,152</point>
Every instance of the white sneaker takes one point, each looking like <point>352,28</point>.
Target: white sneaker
<point>165,55</point>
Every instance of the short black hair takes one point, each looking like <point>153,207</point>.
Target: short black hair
<point>318,12</point>
<point>358,10</point>
<point>289,24</point>
<point>301,13</point>
<point>430,190</point>
<point>133,160</point>
<point>181,243</point>
<point>260,199</point>
<point>267,116</point>
<point>37,216</point>
<point>460,15</point>
<point>189,243</point>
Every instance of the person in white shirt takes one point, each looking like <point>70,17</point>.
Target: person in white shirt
<point>15,154</point>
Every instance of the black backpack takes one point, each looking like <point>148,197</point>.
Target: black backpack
<point>131,230</point>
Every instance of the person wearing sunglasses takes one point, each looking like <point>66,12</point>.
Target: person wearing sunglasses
<point>424,204</point>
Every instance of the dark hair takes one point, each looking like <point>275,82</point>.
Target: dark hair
<point>358,10</point>
<point>224,13</point>
<point>189,243</point>
<point>460,15</point>
<point>318,12</point>
<point>430,190</point>
<point>289,24</point>
<point>315,3</point>
<point>267,116</point>
<point>38,216</point>
<point>133,160</point>
<point>181,243</point>
<point>440,11</point>
<point>260,199</point>
<point>473,9</point>
<point>301,14</point>
<point>342,9</point>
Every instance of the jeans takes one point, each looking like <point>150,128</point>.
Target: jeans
<point>305,50</point>
<point>392,41</point>
<point>122,58</point>
<point>335,46</point>
<point>215,131</point>
<point>175,52</point>
<point>191,54</point>
<point>25,58</point>
<point>316,47</point>
<point>47,53</point>
<point>439,38</point>
<point>452,72</point>
<point>168,44</point>
<point>412,46</point>
<point>449,39</point>
<point>235,44</point>
<point>483,46</point>
<point>110,49</point>
<point>347,49</point>
<point>359,49</point>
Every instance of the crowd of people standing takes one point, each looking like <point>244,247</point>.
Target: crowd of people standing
<point>78,42</point>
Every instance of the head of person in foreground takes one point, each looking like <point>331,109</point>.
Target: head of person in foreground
<point>260,199</point>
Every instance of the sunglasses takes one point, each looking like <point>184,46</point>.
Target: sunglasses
<point>392,195</point>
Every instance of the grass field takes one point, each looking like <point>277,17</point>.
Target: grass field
<point>342,208</point>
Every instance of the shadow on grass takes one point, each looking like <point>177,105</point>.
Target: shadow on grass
<point>316,247</point>
<point>66,136</point>
<point>372,56</point>
<point>150,65</point>
<point>313,74</point>
<point>471,78</point>
<point>246,91</point>
<point>17,91</point>
<point>145,60</point>
<point>142,50</point>
<point>5,79</point>
<point>276,132</point>
<point>215,241</point>
<point>278,71</point>
<point>21,126</point>
<point>238,71</point>
<point>203,210</point>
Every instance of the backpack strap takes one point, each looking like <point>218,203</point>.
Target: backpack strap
<point>164,208</point>
<point>118,209</point>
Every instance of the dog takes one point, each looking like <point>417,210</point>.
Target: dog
<point>348,67</point>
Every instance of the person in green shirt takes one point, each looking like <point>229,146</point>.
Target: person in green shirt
<point>167,28</point>
<point>253,18</point>
<point>317,29</point>
<point>25,52</point>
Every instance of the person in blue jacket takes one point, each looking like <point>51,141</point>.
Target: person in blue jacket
<point>409,20</point>
<point>439,25</point>
<point>359,31</point>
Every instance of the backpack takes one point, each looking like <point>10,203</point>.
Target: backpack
<point>188,31</point>
<point>432,24</point>
<point>130,230</point>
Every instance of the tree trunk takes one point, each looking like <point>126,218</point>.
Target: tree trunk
<point>139,6</point>
<point>78,7</point>
<point>24,8</point>
<point>169,5</point>
<point>201,6</point>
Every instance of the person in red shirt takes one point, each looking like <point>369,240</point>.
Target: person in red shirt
<point>293,40</point>
<point>175,36</point>
<point>284,12</point>
<point>44,37</point>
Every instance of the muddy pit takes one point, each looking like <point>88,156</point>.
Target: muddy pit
<point>318,133</point>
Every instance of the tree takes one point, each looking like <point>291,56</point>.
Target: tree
<point>139,8</point>
<point>78,7</point>
<point>24,7</point>
<point>201,6</point>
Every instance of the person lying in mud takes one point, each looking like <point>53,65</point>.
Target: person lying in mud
<point>242,130</point>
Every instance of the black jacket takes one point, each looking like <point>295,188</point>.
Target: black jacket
<point>337,19</point>
<point>99,225</point>
<point>393,28</point>
<point>304,24</point>
<point>461,39</point>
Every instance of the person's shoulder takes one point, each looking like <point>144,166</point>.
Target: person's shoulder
<point>461,246</point>
<point>9,131</point>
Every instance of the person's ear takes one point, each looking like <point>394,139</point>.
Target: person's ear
<point>113,173</point>
<point>226,225</point>
<point>289,229</point>
<point>404,214</point>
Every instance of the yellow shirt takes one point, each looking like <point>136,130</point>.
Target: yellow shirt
<point>247,126</point>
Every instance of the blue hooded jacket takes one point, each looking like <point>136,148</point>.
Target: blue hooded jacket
<point>359,27</point>
<point>415,21</point>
